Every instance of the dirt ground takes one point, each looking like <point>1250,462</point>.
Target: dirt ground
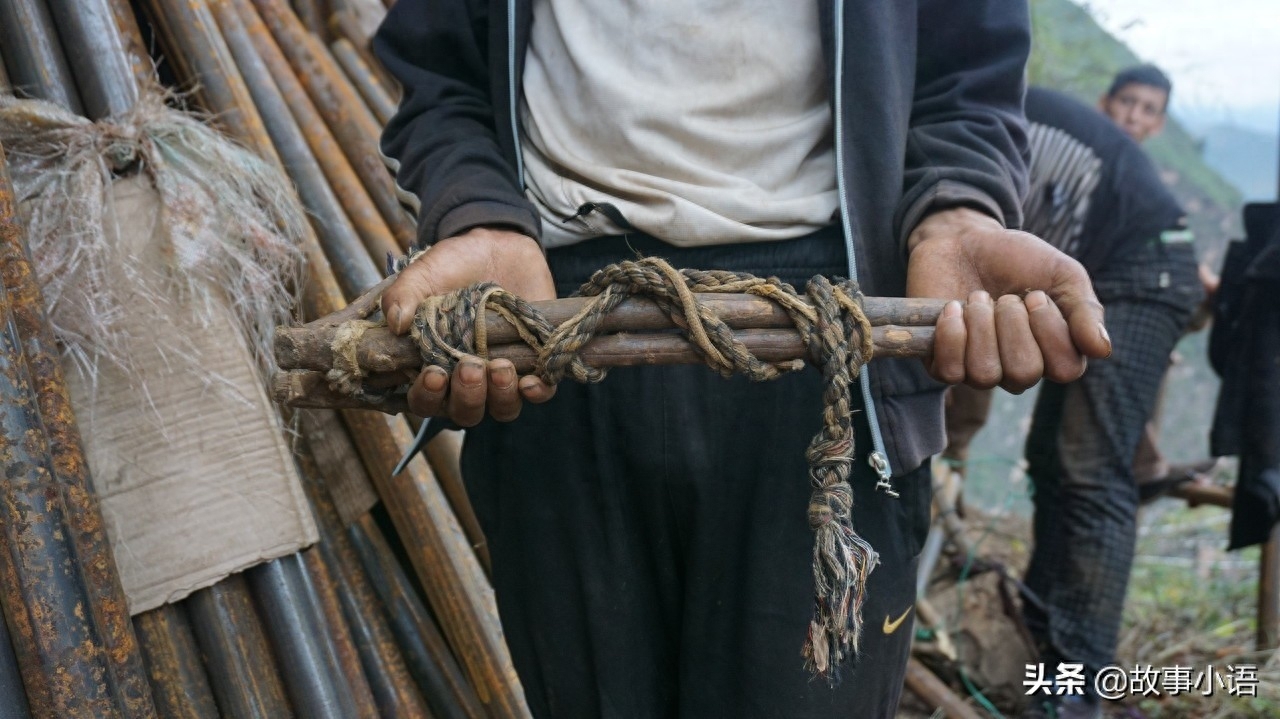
<point>1189,603</point>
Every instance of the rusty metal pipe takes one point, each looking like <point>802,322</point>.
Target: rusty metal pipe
<point>205,64</point>
<point>389,679</point>
<point>320,576</point>
<point>446,566</point>
<point>295,626</point>
<point>140,65</point>
<point>343,24</point>
<point>14,705</point>
<point>178,679</point>
<point>96,53</point>
<point>430,660</point>
<point>342,108</point>
<point>63,662</point>
<point>104,605</point>
<point>33,55</point>
<point>311,14</point>
<point>360,75</point>
<point>334,229</point>
<point>242,670</point>
<point>355,200</point>
<point>203,60</point>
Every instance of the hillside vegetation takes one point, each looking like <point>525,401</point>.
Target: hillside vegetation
<point>1072,53</point>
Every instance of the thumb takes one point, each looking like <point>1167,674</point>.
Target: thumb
<point>400,301</point>
<point>1073,293</point>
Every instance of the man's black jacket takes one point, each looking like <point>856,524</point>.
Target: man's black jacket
<point>928,108</point>
<point>1245,351</point>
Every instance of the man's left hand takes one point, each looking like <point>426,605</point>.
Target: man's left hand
<point>1045,320</point>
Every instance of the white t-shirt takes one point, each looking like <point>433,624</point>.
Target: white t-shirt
<point>702,121</point>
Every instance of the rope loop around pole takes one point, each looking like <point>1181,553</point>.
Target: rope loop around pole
<point>832,324</point>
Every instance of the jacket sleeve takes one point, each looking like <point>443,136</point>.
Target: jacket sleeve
<point>442,142</point>
<point>967,143</point>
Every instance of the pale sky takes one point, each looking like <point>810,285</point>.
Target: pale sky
<point>1222,55</point>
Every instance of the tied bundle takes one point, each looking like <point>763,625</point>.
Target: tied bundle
<point>828,320</point>
<point>232,229</point>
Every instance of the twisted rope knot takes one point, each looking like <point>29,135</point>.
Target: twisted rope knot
<point>830,321</point>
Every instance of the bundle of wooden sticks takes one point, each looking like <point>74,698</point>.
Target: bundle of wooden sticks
<point>636,332</point>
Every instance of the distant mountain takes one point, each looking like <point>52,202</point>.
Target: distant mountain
<point>1248,159</point>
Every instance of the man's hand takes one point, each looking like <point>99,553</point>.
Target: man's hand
<point>1015,340</point>
<point>508,258</point>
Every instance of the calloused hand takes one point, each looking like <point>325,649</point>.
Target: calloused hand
<point>513,261</point>
<point>1045,322</point>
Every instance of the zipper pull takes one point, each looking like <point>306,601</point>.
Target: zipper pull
<point>881,466</point>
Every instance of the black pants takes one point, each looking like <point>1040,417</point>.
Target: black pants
<point>651,551</point>
<point>1080,454</point>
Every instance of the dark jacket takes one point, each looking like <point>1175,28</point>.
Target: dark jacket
<point>1129,206</point>
<point>1244,349</point>
<point>928,103</point>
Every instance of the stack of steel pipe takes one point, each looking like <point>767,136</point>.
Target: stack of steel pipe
<point>382,618</point>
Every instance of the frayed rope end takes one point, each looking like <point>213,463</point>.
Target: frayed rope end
<point>842,562</point>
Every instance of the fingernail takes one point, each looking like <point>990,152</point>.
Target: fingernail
<point>1035,300</point>
<point>952,309</point>
<point>393,317</point>
<point>980,296</point>
<point>1106,337</point>
<point>436,379</point>
<point>471,373</point>
<point>528,383</point>
<point>502,376</point>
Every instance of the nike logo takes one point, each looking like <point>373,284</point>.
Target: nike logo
<point>892,626</point>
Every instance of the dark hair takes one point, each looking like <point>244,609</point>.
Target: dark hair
<point>1141,75</point>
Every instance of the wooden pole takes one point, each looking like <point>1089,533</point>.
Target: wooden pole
<point>934,692</point>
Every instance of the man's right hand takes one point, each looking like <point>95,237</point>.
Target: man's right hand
<point>513,261</point>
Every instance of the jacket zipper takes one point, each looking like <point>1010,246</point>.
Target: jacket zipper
<point>511,90</point>
<point>878,459</point>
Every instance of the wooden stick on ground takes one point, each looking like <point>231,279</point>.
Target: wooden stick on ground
<point>928,687</point>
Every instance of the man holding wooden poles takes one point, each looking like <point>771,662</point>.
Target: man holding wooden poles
<point>650,554</point>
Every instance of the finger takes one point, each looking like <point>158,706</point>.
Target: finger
<point>949,335</point>
<point>467,392</point>
<point>503,397</point>
<point>982,351</point>
<point>400,301</point>
<point>427,393</point>
<point>1020,360</point>
<point>1062,361</point>
<point>535,390</point>
<point>1073,294</point>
